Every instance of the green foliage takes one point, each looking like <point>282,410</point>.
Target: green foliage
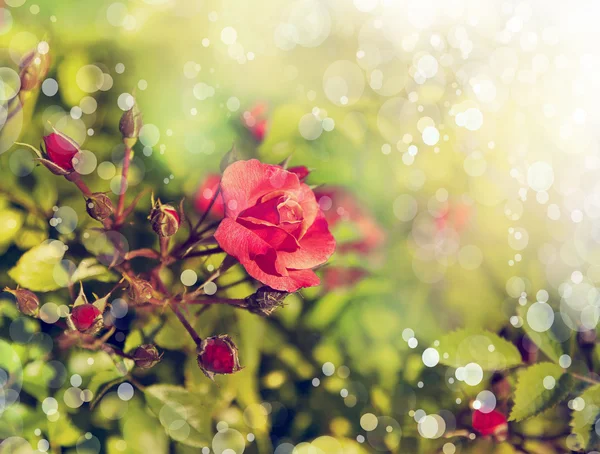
<point>39,270</point>
<point>551,347</point>
<point>490,351</point>
<point>185,415</point>
<point>583,420</point>
<point>531,394</point>
<point>62,431</point>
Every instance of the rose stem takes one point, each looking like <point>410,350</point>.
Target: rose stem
<point>186,324</point>
<point>205,252</point>
<point>210,205</point>
<point>121,203</point>
<point>164,247</point>
<point>229,301</point>
<point>76,178</point>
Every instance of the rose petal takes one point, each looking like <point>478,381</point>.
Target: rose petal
<point>253,253</point>
<point>316,246</point>
<point>244,182</point>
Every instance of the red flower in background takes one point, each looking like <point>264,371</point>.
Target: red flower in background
<point>273,225</point>
<point>256,122</point>
<point>455,216</point>
<point>339,205</point>
<point>206,193</point>
<point>60,151</point>
<point>335,277</point>
<point>492,423</point>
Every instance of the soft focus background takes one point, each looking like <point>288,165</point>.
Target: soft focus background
<point>464,133</point>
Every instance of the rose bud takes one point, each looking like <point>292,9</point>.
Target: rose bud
<point>146,356</point>
<point>99,206</point>
<point>301,171</point>
<point>60,151</point>
<point>27,301</point>
<point>130,125</point>
<point>205,194</point>
<point>87,318</point>
<point>218,355</point>
<point>33,69</point>
<point>140,291</point>
<point>164,219</point>
<point>493,423</point>
<point>265,300</point>
<point>255,121</point>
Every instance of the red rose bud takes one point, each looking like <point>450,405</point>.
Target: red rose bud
<point>265,301</point>
<point>99,206</point>
<point>493,423</point>
<point>33,69</point>
<point>140,291</point>
<point>165,220</point>
<point>60,152</point>
<point>87,318</point>
<point>255,121</point>
<point>301,171</point>
<point>218,355</point>
<point>27,301</point>
<point>146,356</point>
<point>130,125</point>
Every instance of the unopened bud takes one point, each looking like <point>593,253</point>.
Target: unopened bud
<point>265,301</point>
<point>146,356</point>
<point>87,318</point>
<point>218,355</point>
<point>164,219</point>
<point>99,206</point>
<point>140,291</point>
<point>492,424</point>
<point>33,69</point>
<point>59,153</point>
<point>130,125</point>
<point>27,301</point>
<point>301,171</point>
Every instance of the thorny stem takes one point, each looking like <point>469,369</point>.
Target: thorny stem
<point>186,324</point>
<point>121,203</point>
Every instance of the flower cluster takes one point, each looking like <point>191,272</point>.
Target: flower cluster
<point>263,217</point>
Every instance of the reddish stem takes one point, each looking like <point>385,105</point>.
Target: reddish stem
<point>186,325</point>
<point>76,178</point>
<point>121,203</point>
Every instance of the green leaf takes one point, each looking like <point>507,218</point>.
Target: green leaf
<point>102,378</point>
<point>490,351</point>
<point>35,268</point>
<point>546,342</point>
<point>11,222</point>
<point>583,421</point>
<point>327,309</point>
<point>63,432</point>
<point>531,395</point>
<point>36,376</point>
<point>186,416</point>
<point>141,431</point>
<point>90,269</point>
